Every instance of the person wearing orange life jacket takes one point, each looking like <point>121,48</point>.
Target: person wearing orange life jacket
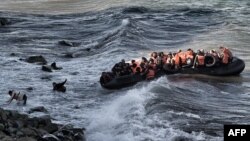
<point>226,55</point>
<point>199,60</point>
<point>189,56</point>
<point>182,55</point>
<point>150,73</point>
<point>177,61</point>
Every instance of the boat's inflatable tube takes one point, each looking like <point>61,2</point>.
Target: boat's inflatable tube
<point>210,60</point>
<point>234,68</point>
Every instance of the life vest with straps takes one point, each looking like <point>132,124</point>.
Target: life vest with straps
<point>189,54</point>
<point>225,58</point>
<point>183,57</point>
<point>177,59</point>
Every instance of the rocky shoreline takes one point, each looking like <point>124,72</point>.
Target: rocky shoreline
<point>19,127</point>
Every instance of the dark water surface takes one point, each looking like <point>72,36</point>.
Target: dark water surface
<point>190,107</point>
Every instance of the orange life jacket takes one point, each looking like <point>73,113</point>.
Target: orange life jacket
<point>150,74</point>
<point>183,57</point>
<point>189,54</point>
<point>201,60</point>
<point>177,59</point>
<point>228,52</point>
<point>225,58</point>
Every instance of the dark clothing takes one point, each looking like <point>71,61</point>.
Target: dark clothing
<point>59,86</point>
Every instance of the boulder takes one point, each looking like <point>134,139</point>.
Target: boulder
<point>29,132</point>
<point>69,43</point>
<point>27,139</point>
<point>47,68</point>
<point>29,88</point>
<point>4,21</point>
<point>50,137</point>
<point>37,59</point>
<point>38,109</point>
<point>2,127</point>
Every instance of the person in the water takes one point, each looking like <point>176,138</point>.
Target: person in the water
<point>17,96</point>
<point>59,86</point>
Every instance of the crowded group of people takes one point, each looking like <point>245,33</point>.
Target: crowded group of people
<point>171,62</point>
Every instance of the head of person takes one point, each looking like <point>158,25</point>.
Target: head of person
<point>123,61</point>
<point>198,52</point>
<point>142,65</point>
<point>160,54</point>
<point>202,50</point>
<point>169,54</point>
<point>174,54</point>
<point>134,66</point>
<point>189,49</point>
<point>151,60</point>
<point>144,59</point>
<point>179,51</point>
<point>132,61</point>
<point>10,93</point>
<point>138,69</point>
<point>154,54</point>
<point>221,47</point>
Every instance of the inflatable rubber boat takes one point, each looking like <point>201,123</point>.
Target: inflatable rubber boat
<point>235,67</point>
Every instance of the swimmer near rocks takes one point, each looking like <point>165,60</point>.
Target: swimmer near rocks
<point>59,86</point>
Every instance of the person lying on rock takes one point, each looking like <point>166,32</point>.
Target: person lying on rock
<point>59,86</point>
<point>17,96</point>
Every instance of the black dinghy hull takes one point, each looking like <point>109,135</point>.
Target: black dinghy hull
<point>234,68</point>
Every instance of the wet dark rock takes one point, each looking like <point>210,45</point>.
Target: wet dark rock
<point>69,43</point>
<point>88,49</point>
<point>182,138</point>
<point>4,21</point>
<point>27,139</point>
<point>13,54</point>
<point>38,109</point>
<point>1,127</point>
<point>29,132</point>
<point>69,55</point>
<point>50,137</point>
<point>74,73</point>
<point>37,59</point>
<point>47,77</point>
<point>29,88</point>
<point>47,68</point>
<point>15,126</point>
